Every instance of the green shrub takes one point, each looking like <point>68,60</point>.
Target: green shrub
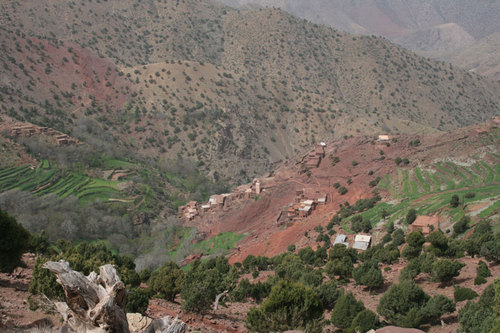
<point>14,240</point>
<point>475,318</point>
<point>462,294</point>
<point>137,301</point>
<point>411,216</point>
<point>398,237</point>
<point>364,321</point>
<point>462,225</point>
<point>445,270</point>
<point>167,280</point>
<point>289,306</point>
<point>328,294</point>
<point>342,190</point>
<point>482,269</point>
<point>346,309</point>
<point>368,274</point>
<point>402,303</point>
<point>204,281</point>
<point>479,280</point>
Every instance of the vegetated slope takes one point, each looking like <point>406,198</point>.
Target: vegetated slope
<point>233,91</point>
<point>427,27</point>
<point>127,32</point>
<point>56,84</point>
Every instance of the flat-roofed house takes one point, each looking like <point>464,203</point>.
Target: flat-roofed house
<point>341,239</point>
<point>362,242</point>
<point>383,138</point>
<point>426,224</point>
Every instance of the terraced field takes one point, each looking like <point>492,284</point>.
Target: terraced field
<point>429,190</point>
<point>47,178</point>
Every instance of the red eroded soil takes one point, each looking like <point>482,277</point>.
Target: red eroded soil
<point>258,218</point>
<point>69,68</point>
<point>14,307</point>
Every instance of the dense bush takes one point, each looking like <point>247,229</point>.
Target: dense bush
<point>397,303</point>
<point>85,258</point>
<point>454,201</point>
<point>364,321</point>
<point>462,294</point>
<point>475,317</point>
<point>368,274</point>
<point>137,301</point>
<point>345,310</point>
<point>245,289</point>
<point>359,224</point>
<point>204,281</point>
<point>342,190</point>
<point>14,240</point>
<point>167,281</point>
<point>445,270</point>
<point>435,308</point>
<point>462,225</point>
<point>482,273</point>
<point>411,216</point>
<point>490,250</point>
<point>289,306</point>
<point>398,237</point>
<point>339,267</point>
<point>328,294</point>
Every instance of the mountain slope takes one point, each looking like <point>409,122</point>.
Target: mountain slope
<point>427,27</point>
<point>482,57</point>
<point>444,37</point>
<point>233,91</point>
<point>392,18</point>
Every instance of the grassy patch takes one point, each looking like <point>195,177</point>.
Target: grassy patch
<point>423,183</point>
<point>221,242</point>
<point>117,164</point>
<point>490,210</point>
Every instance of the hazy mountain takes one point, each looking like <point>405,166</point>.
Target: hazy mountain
<point>427,27</point>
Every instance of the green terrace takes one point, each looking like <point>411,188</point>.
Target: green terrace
<point>47,178</point>
<point>429,191</point>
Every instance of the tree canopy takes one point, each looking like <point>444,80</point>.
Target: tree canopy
<point>14,240</point>
<point>289,306</point>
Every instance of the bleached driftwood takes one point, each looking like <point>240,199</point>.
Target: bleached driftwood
<point>94,303</point>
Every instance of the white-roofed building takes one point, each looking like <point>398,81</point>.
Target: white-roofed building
<point>383,138</point>
<point>362,242</point>
<point>341,239</point>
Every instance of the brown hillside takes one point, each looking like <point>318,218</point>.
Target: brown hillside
<point>232,91</point>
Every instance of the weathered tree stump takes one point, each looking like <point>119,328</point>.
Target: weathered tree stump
<point>96,303</point>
